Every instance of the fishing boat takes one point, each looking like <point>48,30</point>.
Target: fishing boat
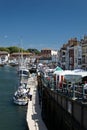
<point>21,96</point>
<point>23,71</point>
<point>13,63</point>
<point>20,101</point>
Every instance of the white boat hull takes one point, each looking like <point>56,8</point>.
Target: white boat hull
<point>20,101</point>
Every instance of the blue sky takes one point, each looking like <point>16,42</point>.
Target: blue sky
<point>42,23</point>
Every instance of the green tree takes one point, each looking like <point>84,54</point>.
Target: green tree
<point>35,51</point>
<point>4,49</point>
<point>13,49</point>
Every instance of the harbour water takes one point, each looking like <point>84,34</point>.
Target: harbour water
<point>12,117</point>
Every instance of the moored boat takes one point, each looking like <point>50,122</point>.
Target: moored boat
<point>2,64</point>
<point>21,96</point>
<point>21,101</point>
<point>23,72</point>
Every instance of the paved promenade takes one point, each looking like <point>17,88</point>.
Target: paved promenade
<point>33,116</point>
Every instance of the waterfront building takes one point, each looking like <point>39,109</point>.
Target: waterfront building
<point>48,52</point>
<point>71,54</point>
<point>49,55</point>
<point>77,57</point>
<point>17,55</point>
<point>54,54</point>
<point>84,52</point>
<point>62,56</point>
<point>74,48</point>
<point>4,56</point>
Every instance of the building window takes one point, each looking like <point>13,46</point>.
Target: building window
<point>83,59</point>
<point>71,60</point>
<point>75,60</point>
<point>79,61</point>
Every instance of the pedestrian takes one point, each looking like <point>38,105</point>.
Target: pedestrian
<point>30,96</point>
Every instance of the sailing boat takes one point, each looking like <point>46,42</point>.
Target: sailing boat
<point>21,94</point>
<point>22,69</point>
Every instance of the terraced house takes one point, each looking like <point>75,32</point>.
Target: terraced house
<point>84,52</point>
<point>71,54</point>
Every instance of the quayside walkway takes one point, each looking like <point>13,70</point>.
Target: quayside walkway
<point>33,117</point>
